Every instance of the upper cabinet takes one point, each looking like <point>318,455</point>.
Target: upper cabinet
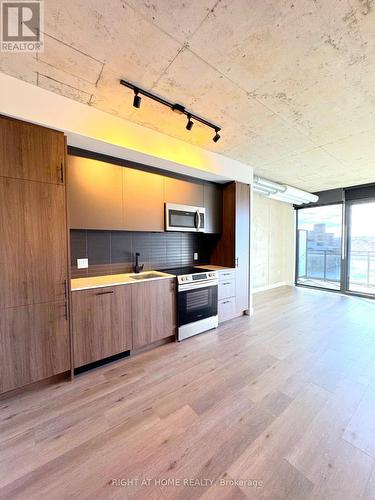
<point>183,192</point>
<point>110,197</point>
<point>143,200</point>
<point>213,203</point>
<point>31,152</point>
<point>95,197</point>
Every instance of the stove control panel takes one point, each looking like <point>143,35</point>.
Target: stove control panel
<point>204,276</point>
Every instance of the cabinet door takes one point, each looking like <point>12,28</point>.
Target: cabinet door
<point>101,323</point>
<point>31,152</point>
<point>183,192</point>
<point>143,201</point>
<point>34,344</point>
<point>242,247</point>
<point>213,203</point>
<point>94,194</point>
<point>33,249</point>
<point>153,311</point>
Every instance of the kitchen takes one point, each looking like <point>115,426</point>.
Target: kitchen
<point>104,258</point>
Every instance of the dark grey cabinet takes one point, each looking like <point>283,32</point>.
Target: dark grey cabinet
<point>213,203</point>
<point>95,198</point>
<point>143,200</point>
<point>111,197</point>
<point>183,192</point>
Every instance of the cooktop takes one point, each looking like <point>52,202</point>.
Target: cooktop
<point>181,271</point>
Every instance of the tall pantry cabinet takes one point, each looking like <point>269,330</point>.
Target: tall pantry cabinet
<point>34,329</point>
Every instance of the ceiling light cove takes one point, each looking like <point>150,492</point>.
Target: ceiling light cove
<point>177,108</point>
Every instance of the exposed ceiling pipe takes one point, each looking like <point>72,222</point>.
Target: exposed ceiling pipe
<point>263,190</point>
<point>259,181</point>
<point>282,192</point>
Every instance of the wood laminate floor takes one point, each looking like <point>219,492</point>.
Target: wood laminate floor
<point>279,405</point>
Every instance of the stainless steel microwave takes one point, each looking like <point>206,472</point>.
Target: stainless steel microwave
<point>184,218</point>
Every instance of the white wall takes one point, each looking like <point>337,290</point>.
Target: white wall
<point>273,236</point>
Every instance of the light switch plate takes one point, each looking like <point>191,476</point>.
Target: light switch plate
<point>82,263</point>
<point>195,255</point>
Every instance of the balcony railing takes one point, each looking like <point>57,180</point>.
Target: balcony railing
<point>325,265</point>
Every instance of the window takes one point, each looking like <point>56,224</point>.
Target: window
<point>319,233</point>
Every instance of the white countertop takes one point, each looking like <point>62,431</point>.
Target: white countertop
<point>113,280</point>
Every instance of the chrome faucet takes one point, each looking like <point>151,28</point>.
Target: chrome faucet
<point>137,267</point>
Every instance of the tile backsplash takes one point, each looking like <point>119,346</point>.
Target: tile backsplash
<point>111,252</point>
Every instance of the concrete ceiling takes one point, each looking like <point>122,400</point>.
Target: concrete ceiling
<point>292,83</point>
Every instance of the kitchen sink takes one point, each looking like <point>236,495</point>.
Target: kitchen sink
<point>145,276</point>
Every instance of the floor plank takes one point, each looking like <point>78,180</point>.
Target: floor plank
<point>278,405</point>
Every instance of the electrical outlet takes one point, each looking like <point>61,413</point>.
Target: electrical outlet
<point>82,263</point>
<point>195,255</point>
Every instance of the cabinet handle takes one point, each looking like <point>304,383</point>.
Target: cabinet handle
<point>225,283</point>
<point>104,293</point>
<point>66,299</point>
<point>61,173</point>
<point>236,260</point>
<point>226,302</point>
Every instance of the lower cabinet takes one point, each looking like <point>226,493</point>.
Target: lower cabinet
<point>227,295</point>
<point>102,323</point>
<point>154,311</point>
<point>34,343</point>
<point>110,320</point>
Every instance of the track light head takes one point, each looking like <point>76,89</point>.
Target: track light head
<point>190,123</point>
<point>216,137</point>
<point>137,99</point>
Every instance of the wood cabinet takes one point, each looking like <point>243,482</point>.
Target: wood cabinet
<point>111,320</point>
<point>33,251</point>
<point>233,247</point>
<point>143,200</point>
<point>95,197</point>
<point>34,331</point>
<point>30,152</point>
<point>183,192</point>
<point>153,311</point>
<point>102,324</point>
<point>242,246</point>
<point>34,343</point>
<point>213,203</point>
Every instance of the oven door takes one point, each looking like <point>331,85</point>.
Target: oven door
<point>197,301</point>
<point>184,218</point>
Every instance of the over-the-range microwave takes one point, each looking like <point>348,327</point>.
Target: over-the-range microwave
<point>184,218</point>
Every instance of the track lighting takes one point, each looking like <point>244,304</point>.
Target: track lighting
<point>137,99</point>
<point>189,124</point>
<point>177,108</point>
<point>216,136</point>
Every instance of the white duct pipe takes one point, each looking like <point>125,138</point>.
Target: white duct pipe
<point>282,192</point>
<point>303,195</point>
<point>263,190</point>
<point>269,184</point>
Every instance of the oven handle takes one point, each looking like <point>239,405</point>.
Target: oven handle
<point>195,286</point>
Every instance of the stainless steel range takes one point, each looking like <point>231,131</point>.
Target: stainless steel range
<point>197,300</point>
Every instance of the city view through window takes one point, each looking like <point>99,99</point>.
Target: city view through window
<point>361,254</point>
<point>319,247</point>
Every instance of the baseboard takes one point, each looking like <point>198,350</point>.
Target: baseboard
<point>269,287</point>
